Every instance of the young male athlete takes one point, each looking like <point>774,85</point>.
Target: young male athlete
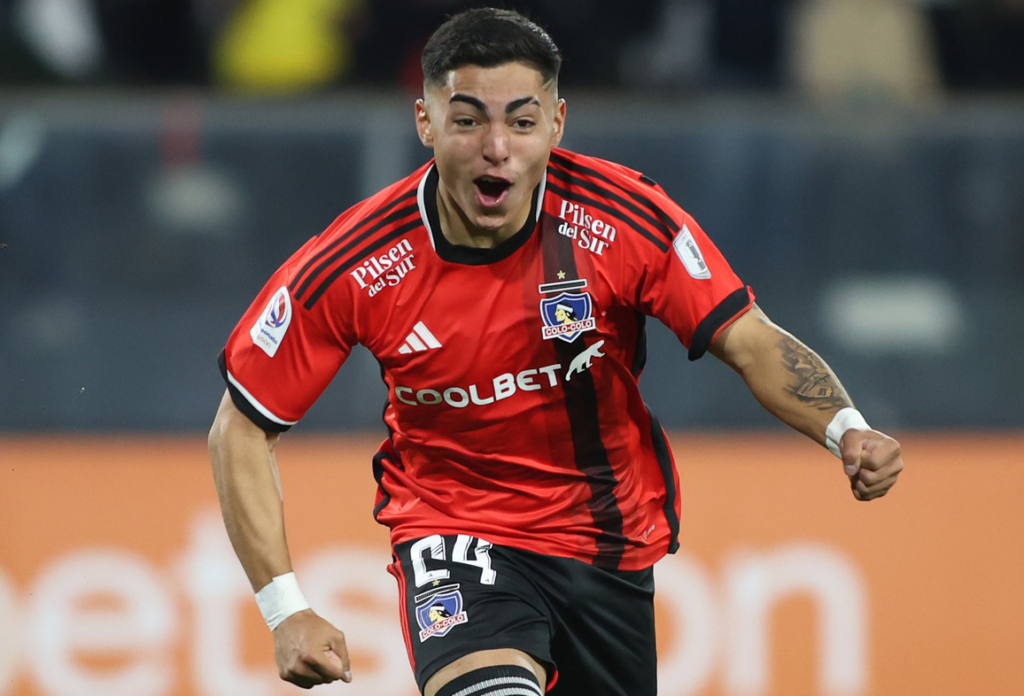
<point>503,288</point>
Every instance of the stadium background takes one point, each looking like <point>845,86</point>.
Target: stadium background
<point>860,164</point>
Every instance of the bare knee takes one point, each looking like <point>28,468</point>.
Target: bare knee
<point>485,658</point>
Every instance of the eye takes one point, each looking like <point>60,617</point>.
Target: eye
<point>464,121</point>
<point>524,123</point>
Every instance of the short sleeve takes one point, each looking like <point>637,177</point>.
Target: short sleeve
<point>282,355</point>
<point>691,288</point>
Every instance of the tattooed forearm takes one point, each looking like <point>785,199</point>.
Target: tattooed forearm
<point>814,383</point>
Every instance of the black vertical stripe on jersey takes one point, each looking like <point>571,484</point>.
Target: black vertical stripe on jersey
<point>329,256</point>
<point>378,476</point>
<point>718,317</point>
<point>640,348</point>
<point>668,220</point>
<point>353,260</point>
<point>581,406</point>
<point>661,453</point>
<point>380,456</point>
<point>612,212</point>
<point>661,450</point>
<point>667,231</point>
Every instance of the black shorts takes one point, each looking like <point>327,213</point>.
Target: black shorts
<point>592,628</point>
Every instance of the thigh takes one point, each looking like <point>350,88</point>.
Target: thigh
<point>461,595</point>
<point>604,640</point>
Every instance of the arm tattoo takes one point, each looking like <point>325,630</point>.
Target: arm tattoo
<point>815,385</point>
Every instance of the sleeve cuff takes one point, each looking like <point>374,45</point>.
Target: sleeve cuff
<point>726,311</point>
<point>255,412</point>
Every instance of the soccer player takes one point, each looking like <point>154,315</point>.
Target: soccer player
<point>528,489</point>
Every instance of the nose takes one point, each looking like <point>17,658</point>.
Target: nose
<point>496,145</point>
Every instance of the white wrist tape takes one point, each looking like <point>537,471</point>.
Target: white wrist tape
<point>846,419</point>
<point>280,599</point>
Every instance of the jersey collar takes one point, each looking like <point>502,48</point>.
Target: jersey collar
<point>472,256</point>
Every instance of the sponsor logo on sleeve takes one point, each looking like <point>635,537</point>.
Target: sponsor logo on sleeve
<point>689,253</point>
<point>269,330</point>
<point>439,611</point>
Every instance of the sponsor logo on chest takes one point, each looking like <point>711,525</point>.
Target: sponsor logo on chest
<point>503,386</point>
<point>567,313</point>
<point>589,232</point>
<point>385,270</point>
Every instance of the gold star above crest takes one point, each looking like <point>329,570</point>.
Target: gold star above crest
<point>561,275</point>
<point>436,583</point>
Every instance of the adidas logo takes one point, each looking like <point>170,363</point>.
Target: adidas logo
<point>419,340</point>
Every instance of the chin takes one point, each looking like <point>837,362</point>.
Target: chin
<point>496,218</point>
<point>490,223</point>
<point>487,219</point>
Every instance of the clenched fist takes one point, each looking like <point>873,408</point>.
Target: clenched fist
<point>872,461</point>
<point>310,651</point>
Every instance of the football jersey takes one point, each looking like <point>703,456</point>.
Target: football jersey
<point>513,409</point>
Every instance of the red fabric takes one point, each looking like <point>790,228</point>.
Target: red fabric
<point>504,454</point>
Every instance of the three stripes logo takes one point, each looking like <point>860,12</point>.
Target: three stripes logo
<point>419,340</point>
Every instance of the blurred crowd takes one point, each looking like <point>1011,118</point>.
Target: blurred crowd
<point>909,47</point>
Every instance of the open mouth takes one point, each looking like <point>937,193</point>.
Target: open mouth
<point>491,191</point>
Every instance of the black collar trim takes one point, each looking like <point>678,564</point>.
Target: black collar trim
<point>471,256</point>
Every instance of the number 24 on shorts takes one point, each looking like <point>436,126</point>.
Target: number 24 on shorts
<point>434,545</point>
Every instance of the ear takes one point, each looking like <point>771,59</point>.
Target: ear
<point>423,124</point>
<point>559,123</point>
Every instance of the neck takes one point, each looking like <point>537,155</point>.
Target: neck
<point>459,230</point>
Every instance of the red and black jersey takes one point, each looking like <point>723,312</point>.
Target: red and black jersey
<point>513,409</point>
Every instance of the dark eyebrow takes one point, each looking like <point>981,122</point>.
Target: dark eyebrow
<point>472,101</point>
<point>519,103</point>
<point>512,105</point>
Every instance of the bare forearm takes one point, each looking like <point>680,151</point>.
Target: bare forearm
<point>789,379</point>
<point>245,473</point>
<point>797,386</point>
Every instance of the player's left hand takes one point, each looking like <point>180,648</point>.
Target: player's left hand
<point>872,461</point>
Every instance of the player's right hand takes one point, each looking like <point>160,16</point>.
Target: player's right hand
<point>310,651</point>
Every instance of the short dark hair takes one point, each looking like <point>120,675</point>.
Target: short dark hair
<point>489,37</point>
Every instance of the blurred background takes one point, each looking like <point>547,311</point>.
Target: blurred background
<point>860,163</point>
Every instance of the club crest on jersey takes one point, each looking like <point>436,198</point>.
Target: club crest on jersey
<point>269,330</point>
<point>440,612</point>
<point>567,315</point>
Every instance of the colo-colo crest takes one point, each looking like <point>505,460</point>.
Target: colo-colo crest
<point>567,315</point>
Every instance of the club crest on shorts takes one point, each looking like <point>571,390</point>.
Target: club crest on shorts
<point>438,612</point>
<point>567,315</point>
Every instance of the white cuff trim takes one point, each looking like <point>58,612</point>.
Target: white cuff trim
<point>256,404</point>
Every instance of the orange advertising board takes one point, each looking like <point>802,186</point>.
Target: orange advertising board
<point>117,579</point>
